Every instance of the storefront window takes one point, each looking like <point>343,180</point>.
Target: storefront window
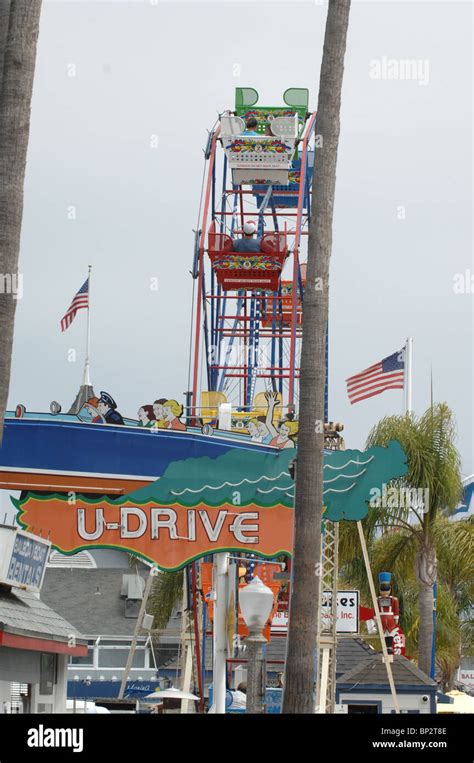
<point>117,658</point>
<point>87,659</point>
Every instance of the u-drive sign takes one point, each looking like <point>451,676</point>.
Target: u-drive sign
<point>347,611</point>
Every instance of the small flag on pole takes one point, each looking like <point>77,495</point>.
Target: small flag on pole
<point>81,300</point>
<point>389,373</point>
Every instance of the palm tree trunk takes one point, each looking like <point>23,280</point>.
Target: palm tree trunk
<point>15,105</point>
<point>300,677</point>
<point>4,23</point>
<point>426,567</point>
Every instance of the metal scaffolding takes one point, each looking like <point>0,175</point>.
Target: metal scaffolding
<point>327,637</point>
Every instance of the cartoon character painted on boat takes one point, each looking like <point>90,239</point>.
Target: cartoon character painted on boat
<point>160,422</point>
<point>172,411</point>
<point>107,407</point>
<point>258,430</point>
<point>281,436</point>
<point>146,416</point>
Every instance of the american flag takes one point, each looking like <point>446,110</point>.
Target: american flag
<point>81,299</point>
<point>389,373</point>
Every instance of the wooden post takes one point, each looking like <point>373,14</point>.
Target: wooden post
<point>138,627</point>
<point>386,656</point>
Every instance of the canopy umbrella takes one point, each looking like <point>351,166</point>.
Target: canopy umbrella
<point>171,693</point>
<point>84,706</point>
<point>463,703</point>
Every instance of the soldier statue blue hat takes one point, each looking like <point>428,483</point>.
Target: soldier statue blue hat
<point>385,582</point>
<point>107,399</point>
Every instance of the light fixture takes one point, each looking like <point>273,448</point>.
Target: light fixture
<point>256,603</point>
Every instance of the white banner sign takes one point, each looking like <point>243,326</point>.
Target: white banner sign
<point>23,558</point>
<point>466,678</point>
<point>347,613</point>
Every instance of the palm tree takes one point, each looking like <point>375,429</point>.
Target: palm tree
<point>19,29</point>
<point>300,676</point>
<point>395,550</point>
<point>433,468</point>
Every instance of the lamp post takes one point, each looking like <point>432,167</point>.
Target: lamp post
<point>256,602</point>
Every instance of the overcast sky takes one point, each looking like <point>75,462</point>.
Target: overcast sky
<point>110,75</point>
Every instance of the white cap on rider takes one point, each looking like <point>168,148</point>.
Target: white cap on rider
<point>249,228</point>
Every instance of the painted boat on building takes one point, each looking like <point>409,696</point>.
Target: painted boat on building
<point>46,452</point>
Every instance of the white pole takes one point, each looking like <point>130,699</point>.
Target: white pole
<point>221,604</point>
<point>221,574</point>
<point>86,378</point>
<point>323,689</point>
<point>408,375</point>
<point>386,656</point>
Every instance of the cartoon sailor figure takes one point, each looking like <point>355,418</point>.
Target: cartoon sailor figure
<point>107,407</point>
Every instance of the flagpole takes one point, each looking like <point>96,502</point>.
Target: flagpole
<point>408,375</point>
<point>86,381</point>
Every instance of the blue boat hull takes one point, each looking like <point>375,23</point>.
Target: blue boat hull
<point>47,454</point>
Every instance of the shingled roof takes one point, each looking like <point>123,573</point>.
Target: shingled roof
<point>23,613</point>
<point>92,600</point>
<point>373,672</point>
<point>349,652</point>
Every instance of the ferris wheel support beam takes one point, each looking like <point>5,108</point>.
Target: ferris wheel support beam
<point>217,337</point>
<point>197,336</point>
<point>294,296</point>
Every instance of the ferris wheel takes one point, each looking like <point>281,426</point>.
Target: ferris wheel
<point>250,259</point>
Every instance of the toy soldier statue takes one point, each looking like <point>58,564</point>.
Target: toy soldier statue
<point>389,609</point>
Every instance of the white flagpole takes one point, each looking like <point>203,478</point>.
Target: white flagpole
<point>408,375</point>
<point>86,381</point>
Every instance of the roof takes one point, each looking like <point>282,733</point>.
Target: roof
<point>350,651</point>
<point>90,599</point>
<point>23,613</point>
<point>372,672</point>
<point>93,601</point>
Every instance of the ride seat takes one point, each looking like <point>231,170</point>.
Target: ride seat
<point>285,127</point>
<point>210,402</point>
<point>231,125</point>
<point>274,242</point>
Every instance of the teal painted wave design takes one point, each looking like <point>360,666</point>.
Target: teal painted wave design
<point>239,477</point>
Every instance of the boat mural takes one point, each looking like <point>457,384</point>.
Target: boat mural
<point>55,453</point>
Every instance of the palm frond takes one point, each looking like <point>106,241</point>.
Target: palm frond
<point>166,594</point>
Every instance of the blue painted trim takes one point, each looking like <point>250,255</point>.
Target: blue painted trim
<point>385,689</point>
